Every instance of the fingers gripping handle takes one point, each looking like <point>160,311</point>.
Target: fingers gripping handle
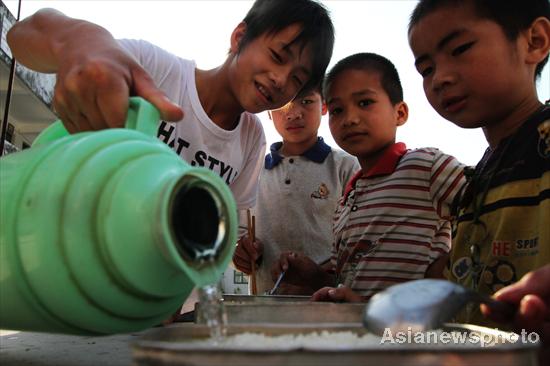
<point>142,116</point>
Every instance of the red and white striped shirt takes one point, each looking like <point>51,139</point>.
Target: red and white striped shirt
<point>392,221</point>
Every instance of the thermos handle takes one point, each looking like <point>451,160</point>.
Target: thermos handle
<point>142,116</point>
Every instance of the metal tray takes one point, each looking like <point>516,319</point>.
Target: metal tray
<point>171,347</point>
<point>263,299</point>
<point>281,312</point>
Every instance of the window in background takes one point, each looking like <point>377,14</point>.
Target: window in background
<point>240,278</point>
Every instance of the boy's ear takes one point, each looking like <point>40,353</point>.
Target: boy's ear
<point>237,36</point>
<point>324,108</point>
<point>538,40</point>
<point>402,113</point>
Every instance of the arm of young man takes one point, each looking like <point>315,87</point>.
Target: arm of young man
<point>435,269</point>
<point>301,270</point>
<point>95,75</point>
<point>245,190</point>
<point>447,179</point>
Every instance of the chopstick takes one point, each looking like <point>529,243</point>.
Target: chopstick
<point>251,223</point>
<point>277,283</point>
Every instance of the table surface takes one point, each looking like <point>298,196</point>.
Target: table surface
<point>45,349</point>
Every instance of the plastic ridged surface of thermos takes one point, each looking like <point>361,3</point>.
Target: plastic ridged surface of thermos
<point>109,231</point>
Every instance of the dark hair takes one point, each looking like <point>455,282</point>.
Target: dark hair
<point>315,88</point>
<point>389,77</point>
<point>513,16</point>
<point>272,16</point>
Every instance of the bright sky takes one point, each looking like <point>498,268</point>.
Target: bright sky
<point>200,30</point>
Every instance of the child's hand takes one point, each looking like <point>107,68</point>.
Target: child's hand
<point>531,295</point>
<point>246,253</point>
<point>336,294</point>
<point>288,289</point>
<point>300,270</point>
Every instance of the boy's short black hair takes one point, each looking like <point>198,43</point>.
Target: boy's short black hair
<point>513,16</point>
<point>317,88</point>
<point>272,16</point>
<point>389,77</point>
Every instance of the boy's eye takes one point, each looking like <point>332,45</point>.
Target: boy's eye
<point>365,102</point>
<point>334,111</point>
<point>307,101</point>
<point>276,56</point>
<point>425,71</point>
<point>462,48</point>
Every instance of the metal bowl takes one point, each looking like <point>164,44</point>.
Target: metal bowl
<point>263,299</point>
<point>175,346</point>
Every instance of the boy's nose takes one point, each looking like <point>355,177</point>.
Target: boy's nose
<point>442,78</point>
<point>293,113</point>
<point>351,119</point>
<point>279,78</point>
<point>351,122</point>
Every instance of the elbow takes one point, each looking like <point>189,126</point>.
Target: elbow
<point>38,22</point>
<point>12,35</point>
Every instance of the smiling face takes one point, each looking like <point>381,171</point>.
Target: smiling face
<point>298,121</point>
<point>270,70</point>
<point>472,74</point>
<point>362,119</point>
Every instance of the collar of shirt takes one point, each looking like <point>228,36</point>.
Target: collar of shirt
<point>317,153</point>
<point>384,166</point>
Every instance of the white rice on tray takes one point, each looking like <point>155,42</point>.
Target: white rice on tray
<point>260,341</point>
<point>325,340</point>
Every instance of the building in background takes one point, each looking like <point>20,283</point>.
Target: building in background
<point>234,282</point>
<point>31,97</point>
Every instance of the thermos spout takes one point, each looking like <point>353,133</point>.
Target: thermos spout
<point>199,220</point>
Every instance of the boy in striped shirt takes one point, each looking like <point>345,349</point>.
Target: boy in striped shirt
<point>392,223</point>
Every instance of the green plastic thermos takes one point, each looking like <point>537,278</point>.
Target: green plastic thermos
<point>109,231</point>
